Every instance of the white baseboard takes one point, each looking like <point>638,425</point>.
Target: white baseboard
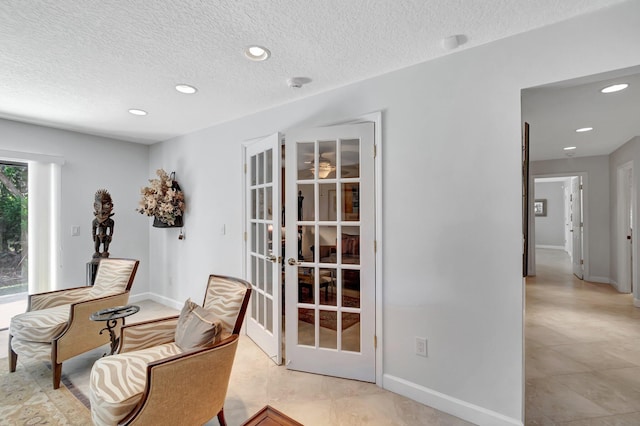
<point>542,246</point>
<point>456,407</point>
<point>602,280</point>
<point>636,302</point>
<point>156,298</point>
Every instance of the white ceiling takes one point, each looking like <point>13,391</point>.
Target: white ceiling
<point>555,111</point>
<point>82,65</point>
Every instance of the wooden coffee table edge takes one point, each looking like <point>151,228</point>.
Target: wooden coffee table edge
<point>268,416</point>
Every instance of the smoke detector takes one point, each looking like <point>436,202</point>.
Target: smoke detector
<point>453,42</point>
<point>297,82</point>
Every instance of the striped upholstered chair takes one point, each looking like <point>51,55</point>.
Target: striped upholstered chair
<point>57,327</point>
<point>151,380</point>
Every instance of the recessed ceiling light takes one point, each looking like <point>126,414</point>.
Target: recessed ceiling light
<point>138,112</point>
<point>584,129</point>
<point>569,148</point>
<point>615,88</point>
<point>185,88</point>
<point>257,53</point>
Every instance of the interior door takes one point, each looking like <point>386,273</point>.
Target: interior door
<point>330,269</point>
<point>263,244</point>
<point>624,232</point>
<point>576,226</point>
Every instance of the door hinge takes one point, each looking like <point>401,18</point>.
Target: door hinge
<point>375,342</point>
<point>581,224</point>
<point>580,187</point>
<point>245,236</point>
<point>375,151</point>
<point>245,168</point>
<point>375,246</point>
<point>582,261</point>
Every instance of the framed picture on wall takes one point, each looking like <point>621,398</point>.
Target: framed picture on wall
<point>540,207</point>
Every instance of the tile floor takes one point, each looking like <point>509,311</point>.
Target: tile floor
<point>311,399</point>
<point>582,345</point>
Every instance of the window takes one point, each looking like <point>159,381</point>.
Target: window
<point>13,228</point>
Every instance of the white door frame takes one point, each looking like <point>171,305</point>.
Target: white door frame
<point>585,219</point>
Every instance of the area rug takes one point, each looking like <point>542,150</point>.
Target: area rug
<point>328,319</point>
<point>27,398</point>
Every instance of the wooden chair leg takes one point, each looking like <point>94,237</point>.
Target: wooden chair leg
<point>221,419</point>
<point>57,374</point>
<point>13,357</point>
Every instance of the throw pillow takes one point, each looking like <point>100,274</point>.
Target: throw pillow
<point>197,327</point>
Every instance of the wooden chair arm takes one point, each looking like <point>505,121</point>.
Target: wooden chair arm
<point>50,299</point>
<point>189,388</point>
<point>146,334</point>
<point>82,334</point>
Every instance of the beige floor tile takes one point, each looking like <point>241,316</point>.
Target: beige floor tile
<point>592,376</point>
<point>558,402</point>
<point>632,419</point>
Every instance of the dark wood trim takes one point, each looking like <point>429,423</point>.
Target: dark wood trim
<point>270,416</point>
<point>13,357</point>
<point>525,200</point>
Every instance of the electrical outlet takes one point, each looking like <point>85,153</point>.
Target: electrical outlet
<point>75,231</point>
<point>421,346</point>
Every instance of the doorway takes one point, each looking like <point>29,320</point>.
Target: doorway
<point>559,219</point>
<point>329,258</point>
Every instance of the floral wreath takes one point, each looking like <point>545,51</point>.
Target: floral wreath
<point>163,198</point>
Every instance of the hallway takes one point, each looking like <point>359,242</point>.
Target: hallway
<point>582,349</point>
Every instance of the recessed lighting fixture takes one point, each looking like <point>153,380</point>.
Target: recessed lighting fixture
<point>584,129</point>
<point>615,88</point>
<point>257,53</point>
<point>138,111</point>
<point>185,88</point>
<point>569,148</point>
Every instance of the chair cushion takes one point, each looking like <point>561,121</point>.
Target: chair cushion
<point>196,327</point>
<point>40,326</point>
<point>224,298</point>
<point>117,382</point>
<point>31,350</point>
<point>112,277</point>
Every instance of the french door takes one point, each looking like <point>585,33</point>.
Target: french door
<point>330,254</point>
<point>263,242</point>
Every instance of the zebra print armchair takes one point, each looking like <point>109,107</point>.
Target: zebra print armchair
<point>151,380</point>
<point>57,327</point>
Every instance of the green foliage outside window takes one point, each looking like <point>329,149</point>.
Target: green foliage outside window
<point>13,228</point>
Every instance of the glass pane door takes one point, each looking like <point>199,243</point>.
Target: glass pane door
<point>264,245</point>
<point>326,325</point>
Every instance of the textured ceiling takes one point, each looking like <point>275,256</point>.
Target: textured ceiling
<point>80,65</point>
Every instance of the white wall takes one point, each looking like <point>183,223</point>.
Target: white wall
<point>91,163</point>
<point>452,217</point>
<point>596,213</point>
<point>630,151</point>
<point>550,228</point>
